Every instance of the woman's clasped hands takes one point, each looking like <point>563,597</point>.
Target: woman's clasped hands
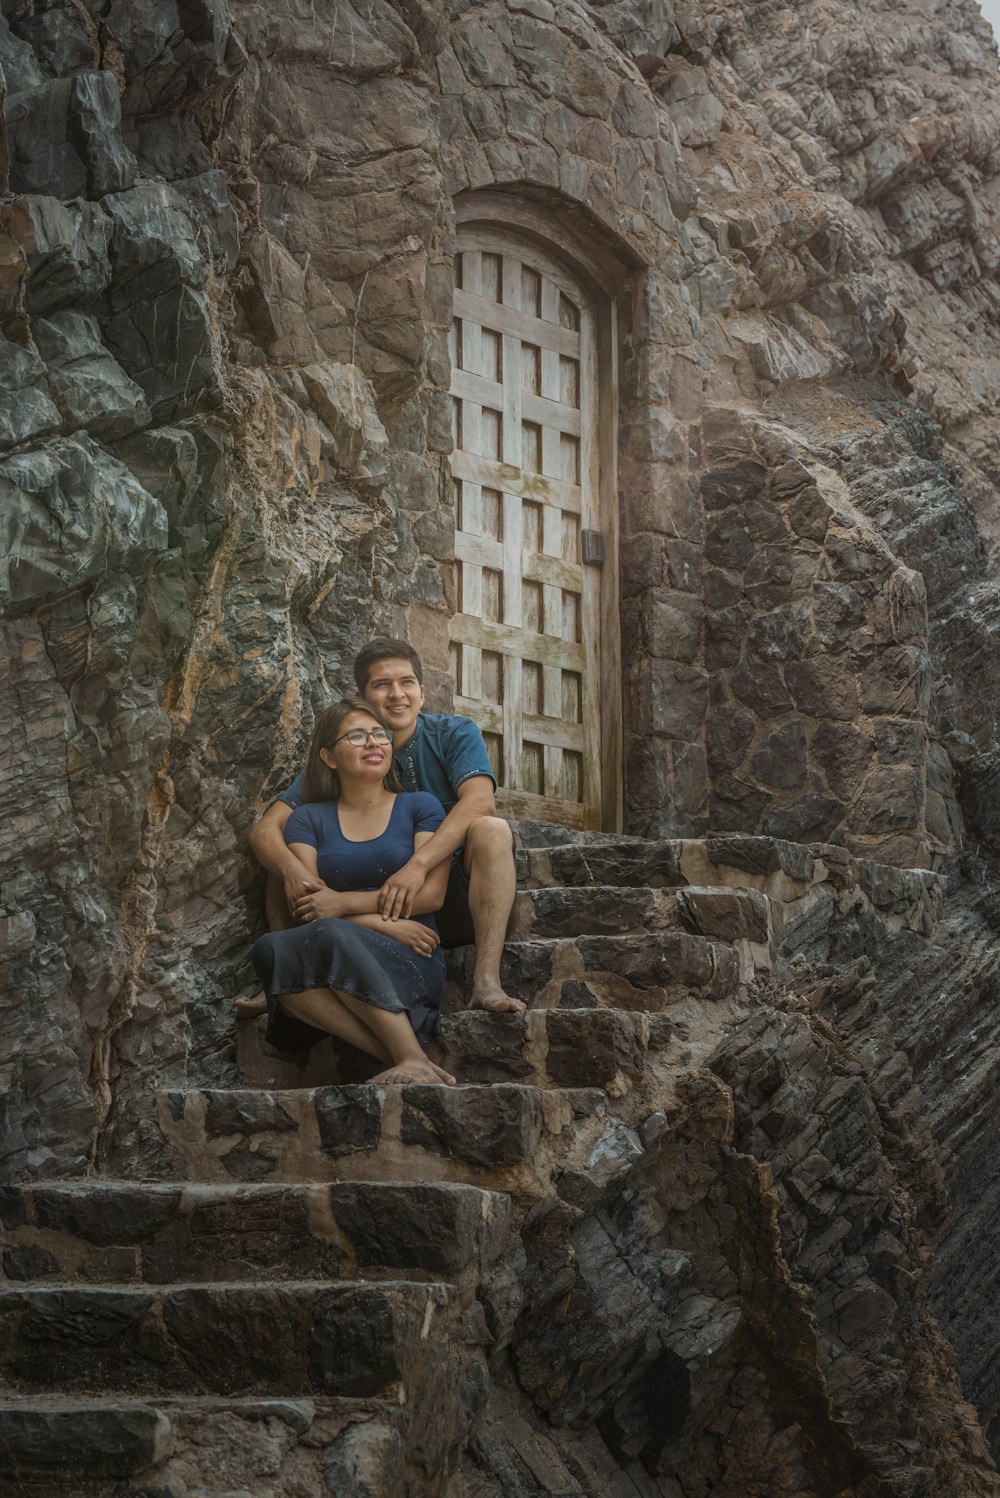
<point>318,904</point>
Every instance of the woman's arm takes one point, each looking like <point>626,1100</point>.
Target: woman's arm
<point>411,933</point>
<point>326,902</point>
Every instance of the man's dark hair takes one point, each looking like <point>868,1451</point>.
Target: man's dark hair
<point>384,648</point>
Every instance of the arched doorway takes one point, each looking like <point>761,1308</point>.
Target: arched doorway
<point>534,638</point>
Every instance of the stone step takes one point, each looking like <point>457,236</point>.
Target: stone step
<point>355,1340</point>
<point>613,861</point>
<point>89,1446</point>
<point>135,1233</point>
<point>713,911</point>
<point>648,972</point>
<point>532,834</point>
<point>502,1137</point>
<point>77,1446</point>
<point>670,859</point>
<point>594,910</point>
<point>787,872</point>
<point>606,1048</point>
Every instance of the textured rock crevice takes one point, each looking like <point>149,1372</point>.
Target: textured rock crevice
<point>949,1051</point>
<point>743,1310</point>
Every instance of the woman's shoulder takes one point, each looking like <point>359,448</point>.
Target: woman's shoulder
<point>314,814</point>
<point>421,804</point>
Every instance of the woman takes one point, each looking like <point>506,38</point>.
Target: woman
<point>345,970</point>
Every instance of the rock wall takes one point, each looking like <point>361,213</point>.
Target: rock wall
<point>225,290</point>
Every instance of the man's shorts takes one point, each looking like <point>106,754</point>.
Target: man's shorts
<point>454,919</point>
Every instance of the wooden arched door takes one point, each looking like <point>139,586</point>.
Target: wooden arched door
<point>526,640</point>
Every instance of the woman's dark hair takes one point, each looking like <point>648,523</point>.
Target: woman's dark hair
<point>384,648</point>
<point>322,783</point>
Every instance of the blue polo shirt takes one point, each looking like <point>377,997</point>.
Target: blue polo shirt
<point>442,754</point>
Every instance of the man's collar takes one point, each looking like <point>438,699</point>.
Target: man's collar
<point>417,730</point>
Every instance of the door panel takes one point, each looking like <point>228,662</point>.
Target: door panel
<point>525,642</point>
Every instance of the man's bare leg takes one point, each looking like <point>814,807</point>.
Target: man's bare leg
<point>363,1026</point>
<point>279,918</point>
<point>489,861</point>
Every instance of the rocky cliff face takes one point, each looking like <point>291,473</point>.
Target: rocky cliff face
<point>226,275</point>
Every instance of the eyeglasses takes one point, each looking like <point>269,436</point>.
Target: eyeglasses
<point>360,736</point>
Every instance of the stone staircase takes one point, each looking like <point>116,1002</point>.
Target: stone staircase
<point>298,1306</point>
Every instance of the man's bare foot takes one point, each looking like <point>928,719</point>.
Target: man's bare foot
<point>247,1008</point>
<point>491,996</point>
<point>413,1071</point>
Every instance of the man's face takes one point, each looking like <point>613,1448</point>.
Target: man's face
<point>394,690</point>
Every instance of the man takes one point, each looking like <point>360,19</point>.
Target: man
<point>434,752</point>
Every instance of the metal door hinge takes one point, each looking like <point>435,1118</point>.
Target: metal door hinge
<point>592,544</point>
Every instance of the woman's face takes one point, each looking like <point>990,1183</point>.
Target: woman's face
<point>370,760</point>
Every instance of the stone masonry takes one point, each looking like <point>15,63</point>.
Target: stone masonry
<point>669,1236</point>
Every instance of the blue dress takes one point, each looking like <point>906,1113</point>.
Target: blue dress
<point>335,953</point>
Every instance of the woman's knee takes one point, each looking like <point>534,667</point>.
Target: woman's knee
<point>262,953</point>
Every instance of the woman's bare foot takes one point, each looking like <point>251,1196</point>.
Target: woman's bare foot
<point>490,996</point>
<point>247,1008</point>
<point>422,1071</point>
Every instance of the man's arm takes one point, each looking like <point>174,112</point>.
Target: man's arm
<point>475,799</point>
<point>267,843</point>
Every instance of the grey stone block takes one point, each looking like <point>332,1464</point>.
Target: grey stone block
<point>781,760</point>
<point>61,255</point>
<point>484,1047</point>
<point>90,387</point>
<point>588,1048</point>
<point>75,512</point>
<point>366,1457</point>
<point>103,1214</point>
<point>65,138</point>
<point>53,1445</point>
<point>726,914</point>
<point>499,1125</point>
<point>27,411</point>
<point>810,819</point>
<point>589,911</point>
<point>359,1339</point>
<point>437,1229</point>
<point>349,1339</point>
<point>349,1119</point>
